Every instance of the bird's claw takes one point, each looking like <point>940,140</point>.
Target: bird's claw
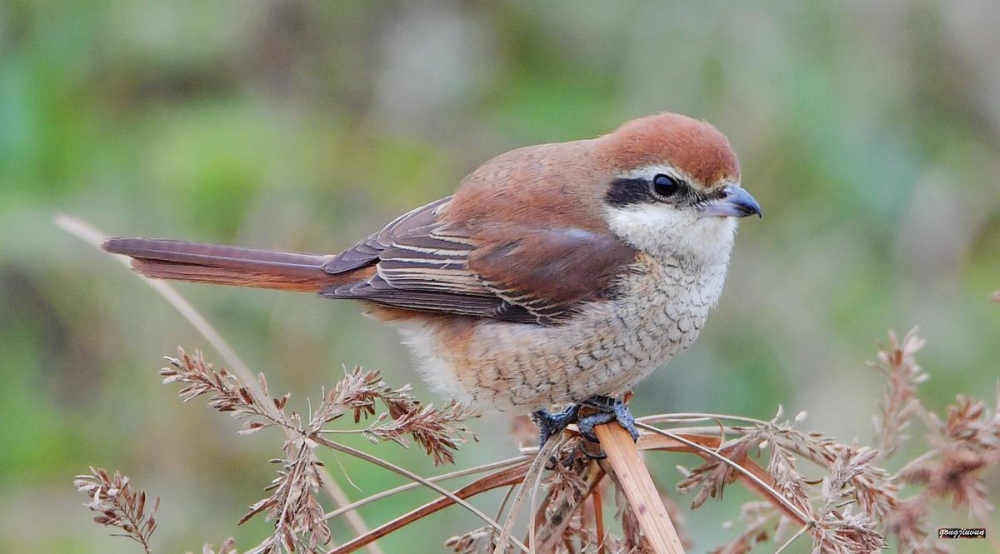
<point>604,408</point>
<point>552,423</point>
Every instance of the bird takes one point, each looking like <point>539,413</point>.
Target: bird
<point>557,274</point>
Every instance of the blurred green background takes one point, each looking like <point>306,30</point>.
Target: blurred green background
<point>869,132</point>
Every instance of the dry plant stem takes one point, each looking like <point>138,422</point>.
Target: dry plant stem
<point>533,474</point>
<point>533,509</point>
<point>632,476</point>
<point>93,236</point>
<point>802,531</point>
<point>751,474</point>
<point>599,519</point>
<point>414,477</point>
<point>409,486</point>
<point>505,478</point>
<point>698,416</point>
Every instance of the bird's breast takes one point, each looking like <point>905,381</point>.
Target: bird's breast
<point>607,348</point>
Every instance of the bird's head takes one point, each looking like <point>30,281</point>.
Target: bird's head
<point>674,188</point>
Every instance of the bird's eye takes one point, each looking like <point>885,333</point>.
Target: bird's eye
<point>665,185</point>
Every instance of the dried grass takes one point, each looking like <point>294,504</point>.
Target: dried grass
<point>853,507</point>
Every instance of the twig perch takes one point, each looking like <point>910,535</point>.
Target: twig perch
<point>628,470</point>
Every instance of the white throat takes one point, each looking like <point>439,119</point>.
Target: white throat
<point>668,233</point>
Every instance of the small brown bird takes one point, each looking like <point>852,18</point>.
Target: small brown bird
<point>558,273</point>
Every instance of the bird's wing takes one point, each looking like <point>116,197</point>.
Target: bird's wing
<point>523,273</point>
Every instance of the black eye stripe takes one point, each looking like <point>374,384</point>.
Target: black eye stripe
<point>624,192</point>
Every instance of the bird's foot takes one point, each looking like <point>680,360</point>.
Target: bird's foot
<point>552,423</point>
<point>605,409</point>
<point>601,409</point>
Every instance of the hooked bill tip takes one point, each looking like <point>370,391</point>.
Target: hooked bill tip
<point>736,203</point>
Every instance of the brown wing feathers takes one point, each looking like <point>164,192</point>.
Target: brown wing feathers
<point>226,265</point>
<point>526,272</point>
<point>549,271</point>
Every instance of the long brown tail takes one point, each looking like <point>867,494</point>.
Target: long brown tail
<point>225,265</point>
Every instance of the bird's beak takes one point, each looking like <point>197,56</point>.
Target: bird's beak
<point>735,202</point>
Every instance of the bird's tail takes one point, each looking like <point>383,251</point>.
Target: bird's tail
<point>225,265</point>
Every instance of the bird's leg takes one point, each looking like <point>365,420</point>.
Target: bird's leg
<point>551,423</point>
<point>605,409</point>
